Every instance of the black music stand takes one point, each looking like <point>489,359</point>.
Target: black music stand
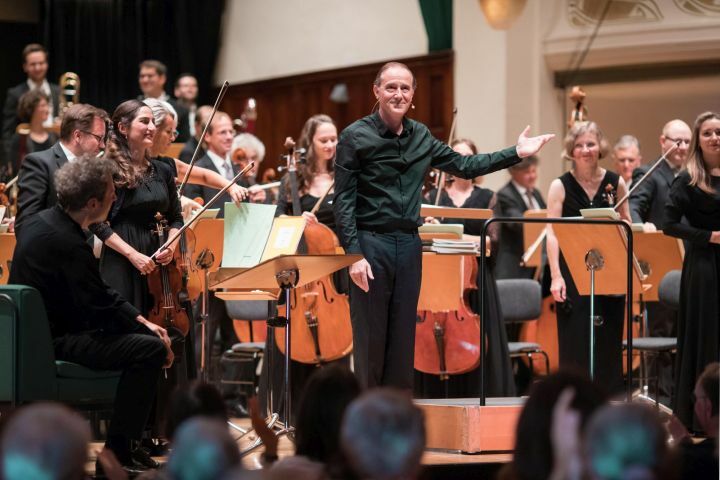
<point>287,272</point>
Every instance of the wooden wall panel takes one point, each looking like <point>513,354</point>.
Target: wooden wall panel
<point>283,104</point>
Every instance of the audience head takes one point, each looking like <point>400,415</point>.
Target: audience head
<point>706,399</point>
<point>626,442</point>
<point>33,105</point>
<point>86,186</point>
<point>186,88</point>
<point>626,154</point>
<point>383,435</point>
<point>165,118</point>
<point>533,457</point>
<point>327,394</point>
<point>394,87</point>
<point>525,172</point>
<point>45,441</point>
<point>673,132</point>
<point>195,399</point>
<point>220,134</point>
<point>254,151</point>
<point>152,78</point>
<point>35,62</point>
<point>585,143</point>
<point>203,449</point>
<point>704,150</point>
<point>84,129</point>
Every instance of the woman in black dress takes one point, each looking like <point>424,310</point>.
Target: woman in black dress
<point>33,108</point>
<point>586,185</point>
<point>462,193</point>
<point>695,195</point>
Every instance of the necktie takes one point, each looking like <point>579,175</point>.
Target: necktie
<point>529,195</point>
<point>228,170</point>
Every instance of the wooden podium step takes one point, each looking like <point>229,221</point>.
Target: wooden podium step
<point>462,424</point>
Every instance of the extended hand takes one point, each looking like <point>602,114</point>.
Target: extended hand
<point>237,193</point>
<point>527,146</point>
<point>360,271</point>
<point>310,218</point>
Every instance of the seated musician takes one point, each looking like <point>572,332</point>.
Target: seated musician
<point>91,324</point>
<point>82,133</point>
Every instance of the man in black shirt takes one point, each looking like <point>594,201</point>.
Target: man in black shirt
<point>381,162</point>
<point>90,323</point>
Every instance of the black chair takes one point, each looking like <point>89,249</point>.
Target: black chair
<point>669,295</point>
<point>521,301</point>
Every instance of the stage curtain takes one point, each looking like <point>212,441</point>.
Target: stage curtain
<point>103,41</point>
<point>438,17</point>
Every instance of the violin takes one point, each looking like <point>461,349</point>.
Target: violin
<point>166,284</point>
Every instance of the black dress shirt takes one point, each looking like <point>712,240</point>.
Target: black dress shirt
<point>379,175</point>
<point>52,255</point>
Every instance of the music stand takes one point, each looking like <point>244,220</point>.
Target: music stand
<point>601,250</point>
<point>286,272</point>
<point>531,232</point>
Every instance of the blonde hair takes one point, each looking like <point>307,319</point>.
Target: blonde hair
<point>696,167</point>
<point>581,128</point>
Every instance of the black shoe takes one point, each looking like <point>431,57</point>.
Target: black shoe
<point>132,468</point>
<point>142,457</point>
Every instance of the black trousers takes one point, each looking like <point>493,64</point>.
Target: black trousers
<point>383,319</point>
<point>140,355</point>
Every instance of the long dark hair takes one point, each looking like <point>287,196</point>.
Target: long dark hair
<point>118,149</point>
<point>306,171</point>
<point>327,394</point>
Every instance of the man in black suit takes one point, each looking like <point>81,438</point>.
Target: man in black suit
<point>82,133</point>
<point>517,196</point>
<point>186,92</point>
<point>35,65</point>
<point>90,323</point>
<point>647,203</point>
<point>152,78</point>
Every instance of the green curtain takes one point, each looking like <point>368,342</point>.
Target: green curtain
<point>438,17</point>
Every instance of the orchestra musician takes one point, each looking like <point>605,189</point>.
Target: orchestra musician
<point>91,324</point>
<point>381,162</point>
<point>626,157</point>
<point>35,65</point>
<point>517,196</point>
<point>82,132</point>
<point>33,109</point>
<point>186,92</point>
<point>464,193</point>
<point>586,185</point>
<point>151,79</point>
<point>254,151</point>
<point>695,196</point>
<point>201,117</point>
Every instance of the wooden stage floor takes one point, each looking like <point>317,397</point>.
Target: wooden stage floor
<point>438,464</point>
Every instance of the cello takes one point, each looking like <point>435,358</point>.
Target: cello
<point>324,332</point>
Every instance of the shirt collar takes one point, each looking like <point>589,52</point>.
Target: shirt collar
<point>163,97</point>
<point>521,190</point>
<point>70,156</point>
<point>218,161</point>
<point>44,86</point>
<point>383,129</point>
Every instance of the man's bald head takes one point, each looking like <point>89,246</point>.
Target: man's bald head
<point>676,131</point>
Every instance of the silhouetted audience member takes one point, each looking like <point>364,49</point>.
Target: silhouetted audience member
<point>383,435</point>
<point>193,400</point>
<point>626,442</point>
<point>327,394</point>
<point>203,449</point>
<point>45,441</point>
<point>534,456</point>
<point>699,459</point>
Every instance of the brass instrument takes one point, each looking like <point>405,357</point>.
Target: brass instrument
<point>69,92</point>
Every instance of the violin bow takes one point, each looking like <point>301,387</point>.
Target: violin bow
<point>320,200</point>
<point>197,214</point>
<point>647,174</point>
<point>441,177</point>
<point>221,95</point>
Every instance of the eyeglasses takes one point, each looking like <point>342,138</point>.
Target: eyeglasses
<point>681,141</point>
<point>97,137</point>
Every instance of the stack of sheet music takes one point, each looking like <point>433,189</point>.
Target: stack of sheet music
<point>468,247</point>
